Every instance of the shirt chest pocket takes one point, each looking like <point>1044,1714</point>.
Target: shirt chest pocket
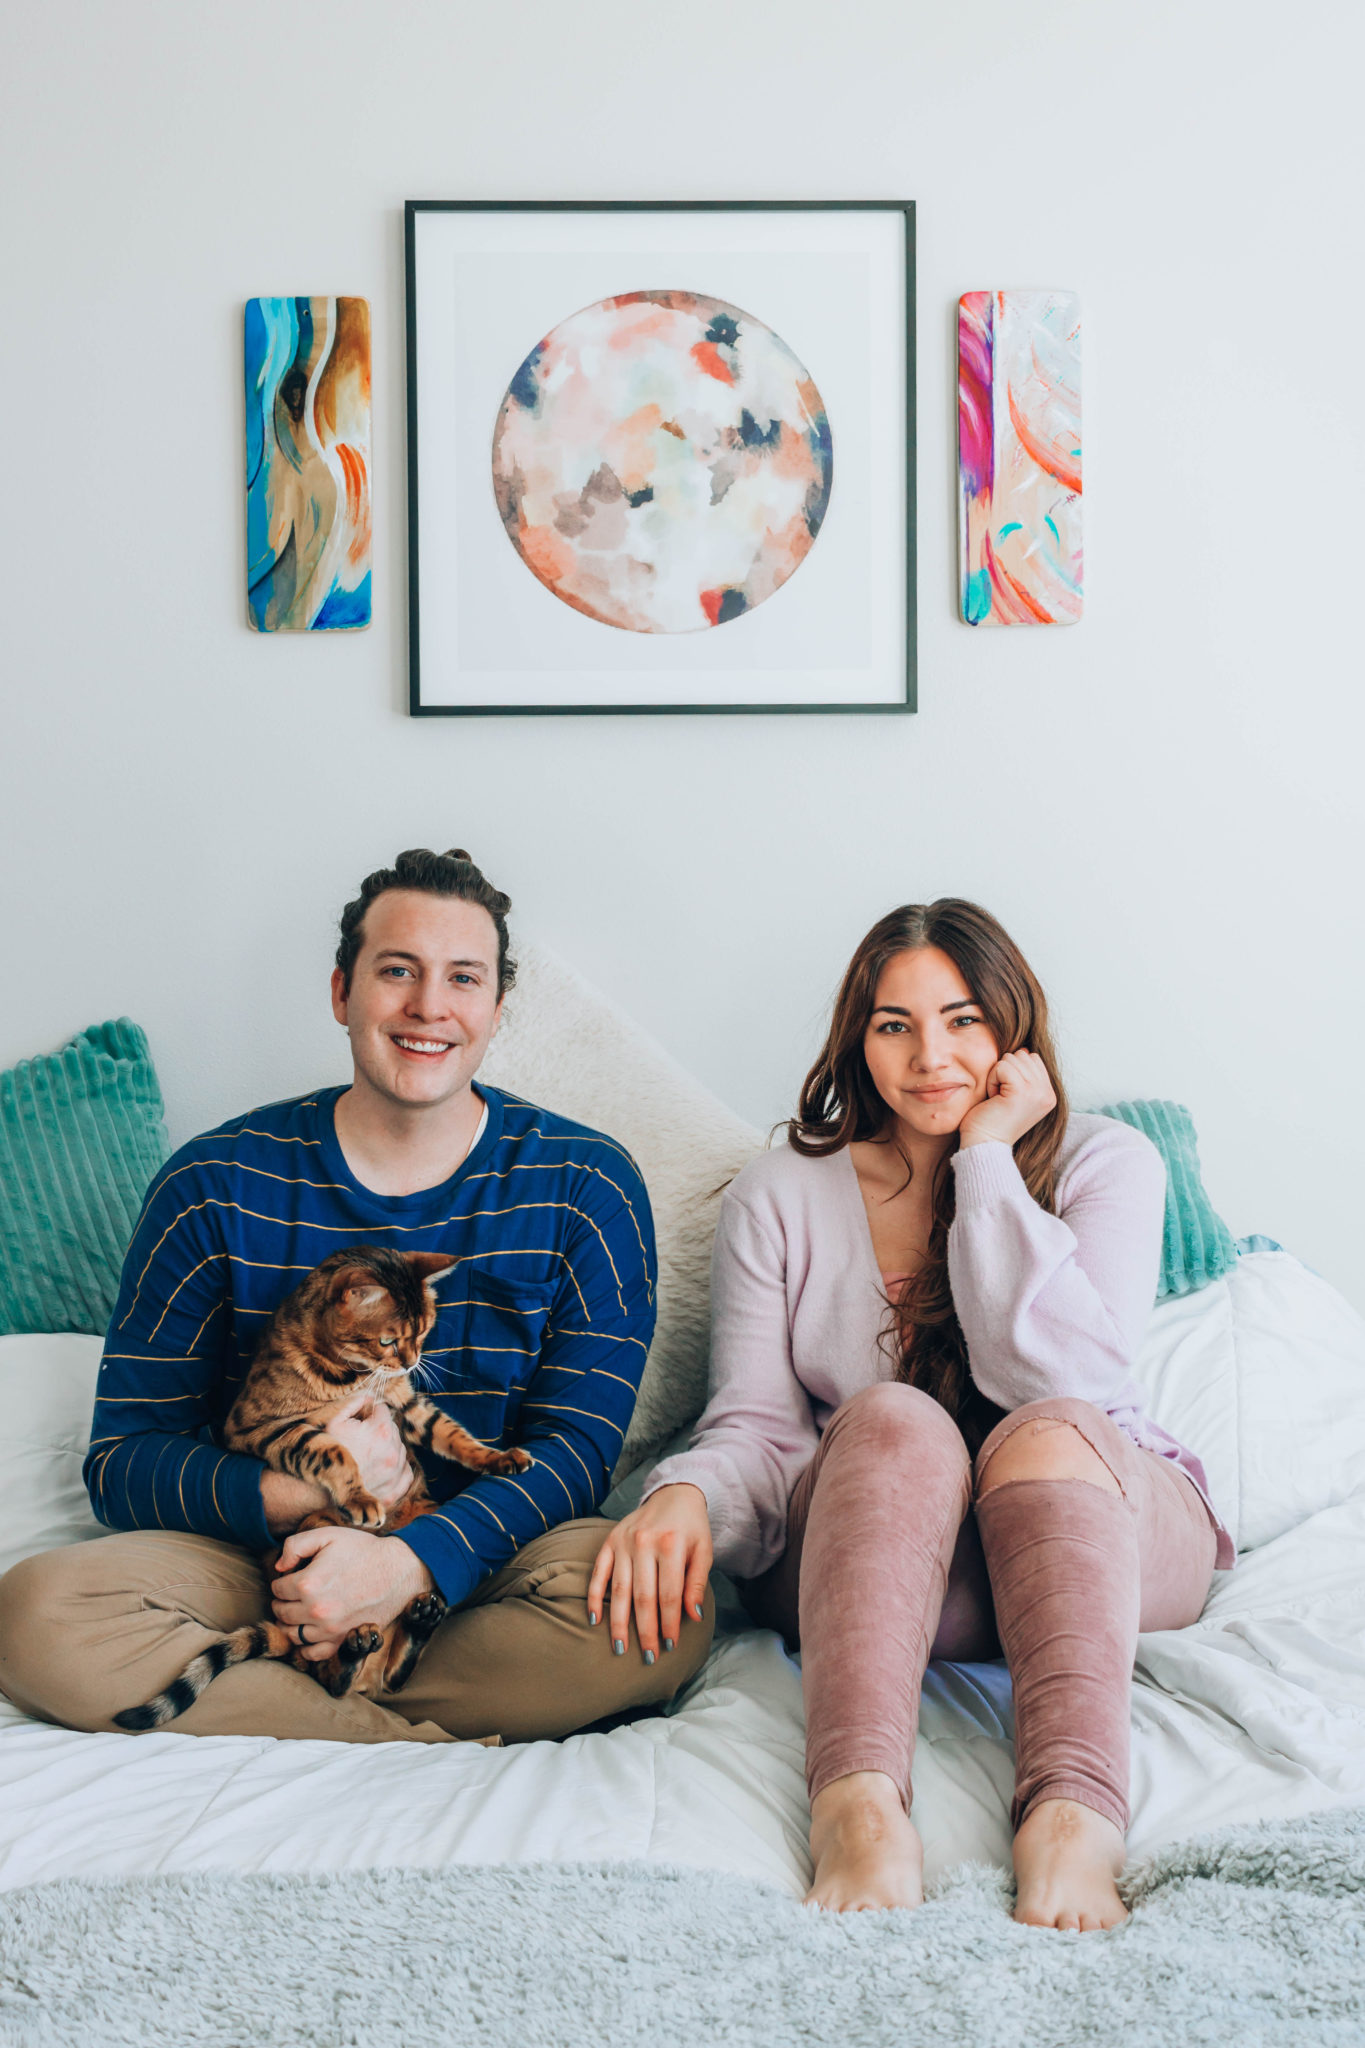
<point>498,1327</point>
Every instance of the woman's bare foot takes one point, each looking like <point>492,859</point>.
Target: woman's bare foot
<point>867,1850</point>
<point>1066,1857</point>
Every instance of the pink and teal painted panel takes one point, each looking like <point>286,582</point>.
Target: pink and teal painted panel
<point>1019,457</point>
<point>307,364</point>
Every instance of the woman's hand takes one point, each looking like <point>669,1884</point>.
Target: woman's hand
<point>367,1428</point>
<point>1018,1096</point>
<point>657,1561</point>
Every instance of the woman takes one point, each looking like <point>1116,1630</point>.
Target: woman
<point>923,1436</point>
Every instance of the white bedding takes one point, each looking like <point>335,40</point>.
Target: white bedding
<point>1257,1711</point>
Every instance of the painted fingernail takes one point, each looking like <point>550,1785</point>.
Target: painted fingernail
<point>668,1642</point>
<point>697,1611</point>
<point>618,1648</point>
<point>649,1656</point>
<point>593,1620</point>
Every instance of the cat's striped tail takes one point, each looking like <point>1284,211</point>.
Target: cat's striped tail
<point>264,1639</point>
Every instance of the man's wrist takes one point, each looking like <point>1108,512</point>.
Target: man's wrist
<point>286,1500</point>
<point>411,1576</point>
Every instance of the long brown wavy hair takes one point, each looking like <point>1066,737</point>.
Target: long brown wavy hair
<point>840,1104</point>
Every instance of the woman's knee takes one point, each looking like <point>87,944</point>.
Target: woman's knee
<point>887,1416</point>
<point>1056,1439</point>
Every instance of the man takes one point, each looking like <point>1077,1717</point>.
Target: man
<point>542,1332</point>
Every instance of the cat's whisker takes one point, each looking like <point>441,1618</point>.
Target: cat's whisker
<point>377,1378</point>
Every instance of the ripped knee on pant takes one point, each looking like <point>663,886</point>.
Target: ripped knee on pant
<point>1075,1458</point>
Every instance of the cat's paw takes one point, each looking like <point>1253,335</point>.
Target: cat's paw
<point>341,1672</point>
<point>365,1511</point>
<point>512,1461</point>
<point>425,1614</point>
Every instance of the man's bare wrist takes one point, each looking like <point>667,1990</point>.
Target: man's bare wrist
<point>412,1576</point>
<point>286,1500</point>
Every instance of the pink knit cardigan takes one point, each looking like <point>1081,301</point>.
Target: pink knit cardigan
<point>1048,1305</point>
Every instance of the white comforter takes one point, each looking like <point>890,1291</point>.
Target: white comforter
<point>1257,1711</point>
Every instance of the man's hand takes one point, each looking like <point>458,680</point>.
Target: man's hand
<point>329,1581</point>
<point>367,1428</point>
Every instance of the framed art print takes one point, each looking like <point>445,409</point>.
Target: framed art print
<point>661,456</point>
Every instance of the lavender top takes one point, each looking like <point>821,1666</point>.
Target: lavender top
<point>1049,1305</point>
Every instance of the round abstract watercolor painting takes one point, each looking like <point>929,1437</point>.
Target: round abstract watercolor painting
<point>662,462</point>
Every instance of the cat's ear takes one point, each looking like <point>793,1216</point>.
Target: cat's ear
<point>356,1285</point>
<point>429,1266</point>
<point>365,1297</point>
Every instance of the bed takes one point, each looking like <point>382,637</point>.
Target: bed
<point>1257,1712</point>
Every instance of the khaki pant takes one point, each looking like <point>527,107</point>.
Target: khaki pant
<point>88,1631</point>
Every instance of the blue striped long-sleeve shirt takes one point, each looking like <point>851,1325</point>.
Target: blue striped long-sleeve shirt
<point>540,1339</point>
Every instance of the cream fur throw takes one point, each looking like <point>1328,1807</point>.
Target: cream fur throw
<point>564,1046</point>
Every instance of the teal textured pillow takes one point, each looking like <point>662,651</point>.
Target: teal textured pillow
<point>1196,1244</point>
<point>81,1135</point>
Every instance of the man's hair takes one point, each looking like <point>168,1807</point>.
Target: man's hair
<point>436,874</point>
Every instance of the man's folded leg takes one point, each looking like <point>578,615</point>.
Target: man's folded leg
<point>88,1631</point>
<point>520,1659</point>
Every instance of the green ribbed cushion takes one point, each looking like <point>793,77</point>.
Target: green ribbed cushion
<point>81,1135</point>
<point>1196,1244</point>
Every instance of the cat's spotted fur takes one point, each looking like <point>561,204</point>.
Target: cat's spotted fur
<point>357,1322</point>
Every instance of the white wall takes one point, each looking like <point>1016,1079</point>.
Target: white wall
<point>1163,803</point>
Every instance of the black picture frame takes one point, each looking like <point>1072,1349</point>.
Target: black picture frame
<point>413,208</point>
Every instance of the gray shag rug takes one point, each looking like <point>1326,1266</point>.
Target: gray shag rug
<point>1252,1937</point>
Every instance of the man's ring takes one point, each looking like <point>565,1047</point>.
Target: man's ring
<point>302,1637</point>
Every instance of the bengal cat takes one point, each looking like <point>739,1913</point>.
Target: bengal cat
<point>357,1322</point>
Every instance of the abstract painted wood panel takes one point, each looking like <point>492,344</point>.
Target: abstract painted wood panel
<point>1019,457</point>
<point>307,365</point>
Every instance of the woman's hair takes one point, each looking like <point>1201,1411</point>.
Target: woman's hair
<point>434,874</point>
<point>840,1103</point>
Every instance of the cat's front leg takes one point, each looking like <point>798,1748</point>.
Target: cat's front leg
<point>304,1449</point>
<point>423,1425</point>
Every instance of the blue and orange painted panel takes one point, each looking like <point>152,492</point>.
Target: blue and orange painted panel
<point>307,363</point>
<point>1019,457</point>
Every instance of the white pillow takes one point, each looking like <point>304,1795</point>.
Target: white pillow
<point>1301,1394</point>
<point>565,1047</point>
<point>1262,1375</point>
<point>47,1390</point>
<point>1187,1367</point>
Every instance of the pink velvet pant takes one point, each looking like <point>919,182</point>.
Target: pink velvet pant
<point>894,1555</point>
